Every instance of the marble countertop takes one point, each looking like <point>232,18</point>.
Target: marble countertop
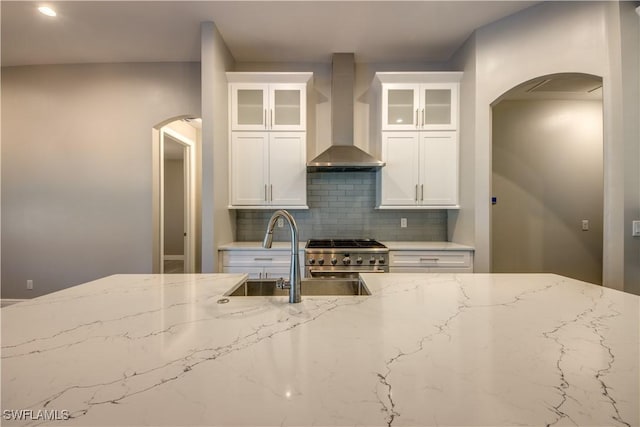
<point>395,246</point>
<point>427,246</point>
<point>422,350</point>
<point>253,246</point>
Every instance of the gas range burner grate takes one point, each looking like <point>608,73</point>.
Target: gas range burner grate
<point>344,244</point>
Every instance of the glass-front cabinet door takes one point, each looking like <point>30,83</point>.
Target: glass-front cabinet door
<point>438,102</point>
<point>287,107</point>
<point>419,106</point>
<point>400,106</point>
<point>261,106</point>
<point>250,105</point>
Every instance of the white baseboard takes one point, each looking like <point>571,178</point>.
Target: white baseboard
<point>174,257</point>
<point>9,301</point>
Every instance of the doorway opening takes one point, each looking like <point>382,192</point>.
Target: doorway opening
<point>176,196</point>
<point>548,178</point>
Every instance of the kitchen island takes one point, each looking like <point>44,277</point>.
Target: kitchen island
<point>423,349</point>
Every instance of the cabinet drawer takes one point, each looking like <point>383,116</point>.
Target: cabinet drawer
<point>260,272</point>
<point>256,258</point>
<point>431,259</point>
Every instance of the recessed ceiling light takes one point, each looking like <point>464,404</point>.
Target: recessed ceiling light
<point>46,10</point>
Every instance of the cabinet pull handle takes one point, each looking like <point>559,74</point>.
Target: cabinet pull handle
<point>429,259</point>
<point>416,192</point>
<point>417,122</point>
<point>263,259</point>
<point>421,192</point>
<point>265,118</point>
<point>260,275</point>
<point>271,120</point>
<point>271,192</point>
<point>265,192</point>
<point>423,117</point>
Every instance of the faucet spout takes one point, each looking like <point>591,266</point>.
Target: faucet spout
<point>294,272</point>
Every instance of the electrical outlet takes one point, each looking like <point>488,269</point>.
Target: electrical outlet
<point>403,222</point>
<point>29,284</point>
<point>635,228</point>
<point>280,222</point>
<point>585,225</point>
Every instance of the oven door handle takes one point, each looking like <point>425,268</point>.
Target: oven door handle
<point>376,270</point>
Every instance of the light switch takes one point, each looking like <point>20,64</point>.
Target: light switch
<point>636,229</point>
<point>585,225</point>
<point>280,222</point>
<point>403,222</point>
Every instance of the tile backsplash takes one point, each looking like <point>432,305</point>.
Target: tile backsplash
<point>341,205</point>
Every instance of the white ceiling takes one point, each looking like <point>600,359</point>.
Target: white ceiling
<point>255,31</point>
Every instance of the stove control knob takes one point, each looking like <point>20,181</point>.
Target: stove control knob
<point>359,260</point>
<point>320,261</point>
<point>334,261</point>
<point>381,260</point>
<point>312,261</point>
<point>346,260</point>
<point>372,260</point>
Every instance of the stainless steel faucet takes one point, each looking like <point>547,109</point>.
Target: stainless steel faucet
<point>294,274</point>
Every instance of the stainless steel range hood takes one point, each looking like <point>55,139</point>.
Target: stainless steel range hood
<point>342,155</point>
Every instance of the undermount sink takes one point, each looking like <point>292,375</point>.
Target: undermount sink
<point>262,287</point>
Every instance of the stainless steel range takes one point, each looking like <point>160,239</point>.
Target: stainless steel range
<point>342,258</point>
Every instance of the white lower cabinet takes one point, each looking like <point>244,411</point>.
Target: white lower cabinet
<point>431,261</point>
<point>258,264</point>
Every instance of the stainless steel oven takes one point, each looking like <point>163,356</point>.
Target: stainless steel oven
<point>344,258</point>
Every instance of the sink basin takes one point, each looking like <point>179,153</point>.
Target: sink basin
<point>261,287</point>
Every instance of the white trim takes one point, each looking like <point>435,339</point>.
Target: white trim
<point>5,302</point>
<point>190,196</point>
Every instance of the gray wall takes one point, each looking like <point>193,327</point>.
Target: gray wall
<point>548,177</point>
<point>173,207</point>
<point>630,64</point>
<point>598,38</point>
<point>341,205</point>
<point>218,222</point>
<point>76,168</point>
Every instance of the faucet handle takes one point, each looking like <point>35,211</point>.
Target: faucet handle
<point>283,284</point>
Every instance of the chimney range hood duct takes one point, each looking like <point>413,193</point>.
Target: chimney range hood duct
<point>342,155</point>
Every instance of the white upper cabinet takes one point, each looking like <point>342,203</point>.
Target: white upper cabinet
<point>421,170</point>
<point>427,106</point>
<point>257,105</point>
<point>417,129</point>
<point>400,106</point>
<point>268,169</point>
<point>438,179</point>
<point>400,175</point>
<point>249,103</point>
<point>267,140</point>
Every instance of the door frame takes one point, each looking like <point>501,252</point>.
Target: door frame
<point>189,147</point>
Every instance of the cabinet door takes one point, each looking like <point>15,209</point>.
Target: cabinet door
<point>249,168</point>
<point>400,106</point>
<point>287,169</point>
<point>439,106</point>
<point>287,107</point>
<point>253,272</point>
<point>400,175</point>
<point>276,273</point>
<point>249,105</point>
<point>438,168</point>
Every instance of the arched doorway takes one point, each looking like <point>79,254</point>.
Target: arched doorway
<point>547,178</point>
<point>176,196</point>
